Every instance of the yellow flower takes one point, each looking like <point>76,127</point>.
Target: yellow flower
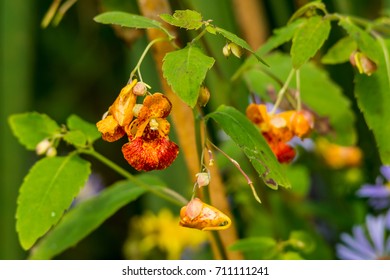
<point>162,231</point>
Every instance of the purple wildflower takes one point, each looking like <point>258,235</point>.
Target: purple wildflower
<point>368,242</point>
<point>379,194</point>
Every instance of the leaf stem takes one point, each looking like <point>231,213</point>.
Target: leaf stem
<point>282,91</point>
<point>200,35</point>
<point>137,67</point>
<point>298,92</point>
<point>167,194</point>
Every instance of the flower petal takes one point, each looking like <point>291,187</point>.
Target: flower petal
<point>373,191</point>
<point>376,230</point>
<point>385,171</point>
<point>361,249</point>
<point>110,129</point>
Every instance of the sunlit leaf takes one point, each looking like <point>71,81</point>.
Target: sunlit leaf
<point>32,128</point>
<point>251,142</point>
<point>76,138</point>
<point>88,215</point>
<point>340,51</point>
<point>184,19</point>
<point>185,71</point>
<point>308,39</point>
<point>47,191</point>
<point>88,129</point>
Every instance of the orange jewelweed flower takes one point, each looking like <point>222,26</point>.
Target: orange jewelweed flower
<point>149,147</point>
<point>199,215</point>
<point>119,116</point>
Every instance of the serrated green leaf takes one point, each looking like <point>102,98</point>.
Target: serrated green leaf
<point>184,19</point>
<point>280,36</point>
<point>47,191</point>
<point>185,70</point>
<point>88,129</point>
<point>76,138</point>
<point>90,214</point>
<point>367,44</point>
<point>308,39</point>
<point>32,128</point>
<point>252,143</point>
<point>238,41</point>
<point>318,92</point>
<point>253,243</point>
<point>340,51</point>
<point>373,98</point>
<point>129,20</point>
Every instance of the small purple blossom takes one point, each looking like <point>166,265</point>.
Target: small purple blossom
<point>379,194</point>
<point>368,242</point>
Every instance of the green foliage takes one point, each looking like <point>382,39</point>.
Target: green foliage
<point>252,143</point>
<point>89,130</point>
<point>86,216</point>
<point>299,176</point>
<point>187,19</point>
<point>32,128</point>
<point>262,244</point>
<point>340,51</point>
<point>308,39</point>
<point>185,70</point>
<point>301,240</point>
<point>47,191</point>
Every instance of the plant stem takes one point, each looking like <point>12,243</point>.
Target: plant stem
<point>136,68</point>
<point>385,53</point>
<point>298,94</point>
<point>282,91</point>
<point>169,194</point>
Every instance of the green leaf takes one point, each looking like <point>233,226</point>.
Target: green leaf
<point>88,129</point>
<point>299,178</point>
<point>89,215</point>
<point>280,36</point>
<point>185,70</point>
<point>184,19</point>
<point>340,51</point>
<point>367,44</point>
<point>253,243</point>
<point>302,241</point>
<point>308,39</point>
<point>252,143</point>
<point>129,20</point>
<point>238,41</point>
<point>311,6</point>
<point>373,98</point>
<point>318,92</point>
<point>32,128</point>
<point>76,138</point>
<point>47,191</point>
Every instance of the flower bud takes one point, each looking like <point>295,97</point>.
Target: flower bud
<point>42,146</point>
<point>204,96</point>
<point>226,50</point>
<point>236,50</point>
<point>140,89</point>
<point>51,152</point>
<point>362,63</point>
<point>202,179</point>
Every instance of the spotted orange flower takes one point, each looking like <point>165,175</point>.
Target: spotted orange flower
<point>119,116</point>
<point>199,215</point>
<point>149,147</point>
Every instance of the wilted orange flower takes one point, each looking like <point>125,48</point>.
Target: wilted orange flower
<point>119,115</point>
<point>149,147</point>
<point>280,128</point>
<point>199,215</point>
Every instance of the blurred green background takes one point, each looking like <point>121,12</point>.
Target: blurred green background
<point>79,66</point>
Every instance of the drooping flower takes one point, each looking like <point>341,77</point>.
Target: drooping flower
<point>199,215</point>
<point>378,194</point>
<point>149,147</point>
<point>368,242</point>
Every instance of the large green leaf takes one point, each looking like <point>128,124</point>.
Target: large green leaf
<point>129,20</point>
<point>366,43</point>
<point>184,19</point>
<point>88,129</point>
<point>372,94</point>
<point>47,191</point>
<point>32,128</point>
<point>318,92</point>
<point>90,214</point>
<point>252,143</point>
<point>340,51</point>
<point>185,70</point>
<point>308,39</point>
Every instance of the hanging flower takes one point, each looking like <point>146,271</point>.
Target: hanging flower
<point>149,147</point>
<point>199,215</point>
<point>368,242</point>
<point>378,194</point>
<point>114,124</point>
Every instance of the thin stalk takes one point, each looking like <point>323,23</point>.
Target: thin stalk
<point>169,196</point>
<point>298,94</point>
<point>282,91</point>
